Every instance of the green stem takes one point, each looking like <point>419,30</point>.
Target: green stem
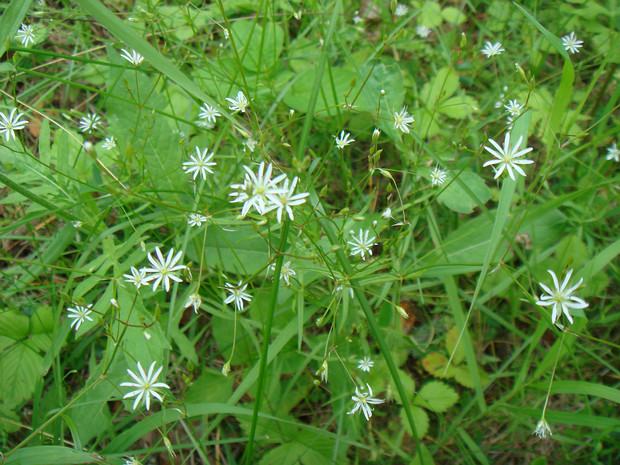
<point>266,339</point>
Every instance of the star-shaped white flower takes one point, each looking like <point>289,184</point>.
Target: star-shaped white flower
<point>561,298</point>
<point>164,269</point>
<point>132,57</point>
<point>387,213</point>
<point>490,49</point>
<point>362,245</point>
<point>513,107</point>
<point>137,277</point>
<point>286,272</point>
<point>255,188</point>
<point>284,199</point>
<point>10,124</point>
<point>196,219</point>
<point>343,140</point>
<point>249,144</point>
<point>79,314</point>
<point>422,31</point>
<point>613,153</point>
<point>145,384</point>
<point>25,34</point>
<point>238,104</point>
<point>109,143</point>
<point>365,364</point>
<point>401,10</point>
<point>571,43</point>
<point>193,300</point>
<point>402,120</point>
<point>507,156</point>
<point>237,295</point>
<point>362,399</point>
<point>438,176</point>
<point>89,122</point>
<point>209,113</point>
<point>199,164</point>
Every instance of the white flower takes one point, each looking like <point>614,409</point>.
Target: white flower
<point>542,429</point>
<point>438,176</point>
<point>237,295</point>
<point>491,50</point>
<point>362,400</point>
<point>25,34</point>
<point>193,300</point>
<point>514,107</point>
<point>284,199</point>
<point>323,371</point>
<point>79,314</point>
<point>561,298</point>
<point>506,157</point>
<point>387,214</point>
<point>286,272</point>
<point>109,143</point>
<point>255,188</point>
<point>356,17</point>
<point>12,123</point>
<point>89,122</point>
<point>571,44</point>
<point>132,57</point>
<point>613,153</point>
<point>402,120</point>
<point>401,10</point>
<point>238,104</point>
<point>199,164</point>
<point>137,277</point>
<point>422,31</point>
<point>208,113</point>
<point>132,461</point>
<point>375,135</point>
<point>365,364</point>
<point>362,245</point>
<point>249,144</point>
<point>343,140</point>
<point>145,384</point>
<point>196,219</point>
<point>163,269</point>
<point>77,224</point>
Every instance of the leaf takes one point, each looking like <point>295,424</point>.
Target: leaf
<point>420,419</point>
<point>258,46</point>
<point>211,386</point>
<point>436,396</point>
<point>408,385</point>
<point>430,14</point>
<point>451,338</point>
<point>453,15</point>
<point>51,455</point>
<point>11,18</point>
<point>457,199</point>
<point>19,365</point>
<point>435,363</point>
<point>423,456</point>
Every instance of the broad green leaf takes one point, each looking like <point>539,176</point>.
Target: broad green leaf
<point>52,455</point>
<point>258,46</point>
<point>435,363</point>
<point>430,14</point>
<point>210,386</point>
<point>457,199</point>
<point>420,418</point>
<point>436,396</point>
<point>451,338</point>
<point>408,384</point>
<point>423,456</point>
<point>19,365</point>
<point>453,15</point>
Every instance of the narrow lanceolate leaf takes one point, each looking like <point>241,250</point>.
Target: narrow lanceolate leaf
<point>52,455</point>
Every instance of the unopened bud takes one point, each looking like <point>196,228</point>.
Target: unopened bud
<point>402,312</point>
<point>226,368</point>
<point>375,135</point>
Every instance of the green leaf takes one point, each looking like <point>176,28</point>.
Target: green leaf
<point>430,14</point>
<point>582,387</point>
<point>456,198</point>
<point>435,363</point>
<point>451,338</point>
<point>453,15</point>
<point>408,384</point>
<point>423,456</point>
<point>52,455</point>
<point>11,18</point>
<point>19,365</point>
<point>258,46</point>
<point>211,386</point>
<point>420,419</point>
<point>436,396</point>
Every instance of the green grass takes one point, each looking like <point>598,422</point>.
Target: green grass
<point>465,362</point>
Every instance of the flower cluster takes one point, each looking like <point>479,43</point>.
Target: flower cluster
<point>264,194</point>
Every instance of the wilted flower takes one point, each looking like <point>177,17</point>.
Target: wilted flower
<point>402,120</point>
<point>286,272</point>
<point>613,153</point>
<point>491,49</point>
<point>362,399</point>
<point>507,156</point>
<point>193,300</point>
<point>249,144</point>
<point>571,44</point>
<point>144,384</point>
<point>387,213</point>
<point>561,298</point>
<point>542,429</point>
